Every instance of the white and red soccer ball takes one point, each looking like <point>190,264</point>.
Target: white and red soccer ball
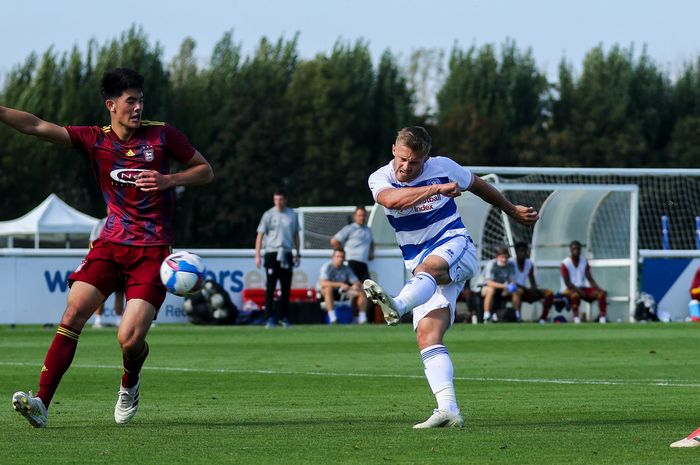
<point>182,273</point>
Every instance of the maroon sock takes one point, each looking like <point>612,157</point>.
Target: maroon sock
<point>547,304</point>
<point>603,305</point>
<point>58,359</point>
<point>132,368</point>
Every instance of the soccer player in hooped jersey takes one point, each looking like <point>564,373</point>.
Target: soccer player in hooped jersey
<point>130,159</point>
<point>417,192</point>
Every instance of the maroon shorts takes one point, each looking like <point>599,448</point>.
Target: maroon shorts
<point>110,267</point>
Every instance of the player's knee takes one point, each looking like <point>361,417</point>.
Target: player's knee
<point>76,316</point>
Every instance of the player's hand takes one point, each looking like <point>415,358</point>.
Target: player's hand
<point>152,181</point>
<point>450,189</point>
<point>297,260</point>
<point>525,215</point>
<point>257,262</point>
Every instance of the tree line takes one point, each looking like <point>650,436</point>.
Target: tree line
<point>318,127</point>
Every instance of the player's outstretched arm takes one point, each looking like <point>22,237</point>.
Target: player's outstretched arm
<point>32,125</point>
<point>525,215</point>
<point>406,197</point>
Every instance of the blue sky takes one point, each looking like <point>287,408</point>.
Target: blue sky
<point>553,29</point>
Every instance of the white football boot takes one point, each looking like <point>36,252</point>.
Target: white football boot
<point>30,407</point>
<point>127,404</point>
<point>442,419</point>
<point>692,440</point>
<point>377,295</point>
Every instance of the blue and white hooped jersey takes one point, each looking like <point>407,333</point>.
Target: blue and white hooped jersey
<point>432,222</point>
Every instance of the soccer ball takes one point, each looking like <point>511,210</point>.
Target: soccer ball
<point>182,273</point>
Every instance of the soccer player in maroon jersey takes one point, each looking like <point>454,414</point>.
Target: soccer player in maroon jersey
<point>130,159</point>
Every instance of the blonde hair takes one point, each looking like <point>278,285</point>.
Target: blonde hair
<point>415,138</point>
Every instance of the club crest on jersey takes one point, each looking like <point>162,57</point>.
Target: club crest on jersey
<point>148,153</point>
<point>125,176</point>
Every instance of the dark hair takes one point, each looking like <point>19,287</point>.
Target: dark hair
<point>115,81</point>
<point>521,245</point>
<point>502,250</point>
<point>281,192</point>
<point>415,138</point>
<point>339,249</point>
<point>575,244</point>
<point>360,207</point>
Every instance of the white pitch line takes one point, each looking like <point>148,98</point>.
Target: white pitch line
<point>601,382</point>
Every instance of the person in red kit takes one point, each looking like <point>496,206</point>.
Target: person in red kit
<point>131,160</point>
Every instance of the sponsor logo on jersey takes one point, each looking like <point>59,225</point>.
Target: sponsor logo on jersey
<point>125,176</point>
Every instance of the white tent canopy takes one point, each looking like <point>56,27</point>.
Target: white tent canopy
<point>52,219</point>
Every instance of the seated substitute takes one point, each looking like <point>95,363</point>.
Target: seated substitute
<point>336,278</point>
<point>524,272</point>
<point>575,274</point>
<point>499,274</point>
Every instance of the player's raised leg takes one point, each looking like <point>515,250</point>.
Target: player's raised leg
<point>417,290</point>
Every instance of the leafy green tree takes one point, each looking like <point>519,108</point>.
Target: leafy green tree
<point>487,101</point>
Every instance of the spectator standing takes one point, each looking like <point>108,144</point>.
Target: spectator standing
<point>278,236</point>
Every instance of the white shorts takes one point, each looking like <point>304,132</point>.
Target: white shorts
<point>460,254</point>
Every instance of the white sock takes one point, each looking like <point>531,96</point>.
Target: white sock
<point>439,371</point>
<point>119,320</point>
<point>98,319</point>
<point>332,316</point>
<point>361,317</point>
<point>417,291</point>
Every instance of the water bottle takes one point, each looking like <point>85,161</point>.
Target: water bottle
<point>694,309</point>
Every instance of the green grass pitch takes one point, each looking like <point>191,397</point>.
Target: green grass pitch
<point>530,394</point>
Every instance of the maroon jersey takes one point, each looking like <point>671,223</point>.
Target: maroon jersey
<point>135,217</point>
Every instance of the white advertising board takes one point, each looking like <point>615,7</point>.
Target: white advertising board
<point>34,287</point>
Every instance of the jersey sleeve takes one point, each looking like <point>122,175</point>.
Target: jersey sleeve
<point>488,271</point>
<point>342,235</point>
<point>378,181</point>
<point>83,137</point>
<point>178,145</point>
<point>457,173</point>
<point>296,228</point>
<point>262,227</point>
<point>323,274</point>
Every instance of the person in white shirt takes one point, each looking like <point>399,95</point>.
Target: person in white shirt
<point>524,272</point>
<point>577,283</point>
<point>417,192</point>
